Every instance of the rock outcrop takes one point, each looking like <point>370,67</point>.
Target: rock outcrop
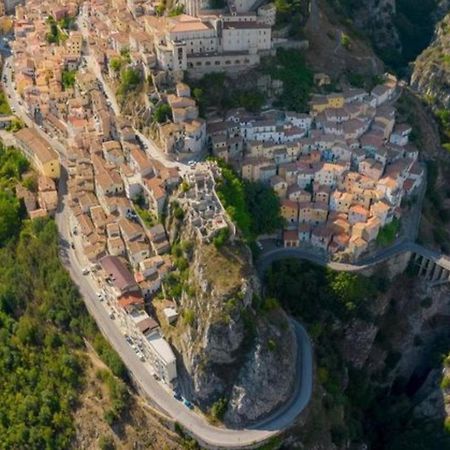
<point>233,346</point>
<point>431,75</point>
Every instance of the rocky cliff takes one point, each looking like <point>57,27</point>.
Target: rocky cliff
<point>431,75</point>
<point>236,349</point>
<point>379,367</point>
<point>398,29</point>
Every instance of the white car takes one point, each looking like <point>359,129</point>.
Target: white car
<point>85,271</point>
<point>260,246</point>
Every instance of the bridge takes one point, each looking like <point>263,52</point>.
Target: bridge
<point>433,266</point>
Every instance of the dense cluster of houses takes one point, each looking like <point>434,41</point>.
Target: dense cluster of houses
<point>341,171</point>
<point>109,172</point>
<point>105,181</point>
<point>41,203</point>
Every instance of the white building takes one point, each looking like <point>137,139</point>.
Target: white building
<point>161,356</point>
<point>211,44</point>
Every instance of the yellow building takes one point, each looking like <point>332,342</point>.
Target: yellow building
<point>320,103</point>
<point>335,100</point>
<point>39,152</point>
<point>289,211</point>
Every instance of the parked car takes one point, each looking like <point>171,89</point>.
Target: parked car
<point>177,396</point>
<point>260,246</point>
<point>72,245</point>
<point>85,271</point>
<point>188,404</point>
<point>112,316</point>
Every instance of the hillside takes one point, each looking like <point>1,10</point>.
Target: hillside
<point>398,29</point>
<point>378,346</point>
<point>431,75</point>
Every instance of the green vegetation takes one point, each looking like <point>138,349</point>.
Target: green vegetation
<point>219,91</point>
<point>254,207</point>
<point>43,322</point>
<point>106,443</point>
<point>443,117</point>
<point>445,383</point>
<point>342,294</point>
<point>12,165</point>
<point>162,113</point>
<point>221,238</point>
<point>388,233</point>
<point>116,64</point>
<point>4,105</point>
<point>289,67</point>
<point>435,210</point>
<point>54,36</point>
<point>355,402</point>
<point>118,394</point>
<point>218,409</point>
<point>67,23</point>
<point>188,316</point>
<point>290,13</point>
<point>345,41</point>
<point>130,79</point>
<point>16,125</point>
<point>176,282</point>
<point>68,78</point>
<point>176,11</point>
<point>146,215</point>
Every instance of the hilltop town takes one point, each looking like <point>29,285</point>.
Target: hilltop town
<point>111,123</point>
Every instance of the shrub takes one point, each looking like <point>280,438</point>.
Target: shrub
<point>188,316</point>
<point>271,345</point>
<point>68,78</point>
<point>345,41</point>
<point>445,383</point>
<point>106,443</point>
<point>219,408</point>
<point>221,238</point>
<point>162,113</point>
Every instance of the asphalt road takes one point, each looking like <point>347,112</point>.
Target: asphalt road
<point>270,255</point>
<point>195,423</point>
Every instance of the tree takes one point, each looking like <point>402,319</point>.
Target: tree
<point>9,217</point>
<point>130,79</point>
<point>115,64</point>
<point>68,78</point>
<point>264,207</point>
<point>162,113</point>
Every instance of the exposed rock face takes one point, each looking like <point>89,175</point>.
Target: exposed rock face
<point>267,375</point>
<point>229,350</point>
<point>431,76</point>
<point>376,17</point>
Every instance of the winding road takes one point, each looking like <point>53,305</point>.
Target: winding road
<point>270,255</point>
